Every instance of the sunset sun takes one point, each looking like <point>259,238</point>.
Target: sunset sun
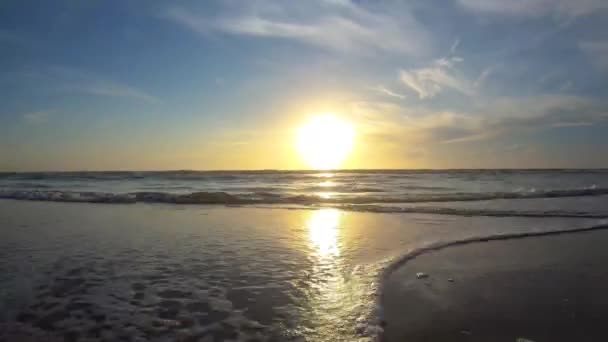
<point>325,141</point>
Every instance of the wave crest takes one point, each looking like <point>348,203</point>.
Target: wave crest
<point>220,197</point>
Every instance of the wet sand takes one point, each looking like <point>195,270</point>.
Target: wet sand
<point>550,288</point>
<point>143,272</point>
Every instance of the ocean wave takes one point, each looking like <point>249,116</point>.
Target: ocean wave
<point>74,175</point>
<point>67,196</point>
<point>474,212</point>
<point>31,185</point>
<point>276,198</point>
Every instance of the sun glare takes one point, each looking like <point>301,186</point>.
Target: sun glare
<point>325,141</point>
<point>323,231</point>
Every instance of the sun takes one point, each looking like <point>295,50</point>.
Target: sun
<point>325,141</point>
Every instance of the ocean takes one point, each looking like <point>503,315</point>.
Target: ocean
<point>372,188</point>
<point>250,255</point>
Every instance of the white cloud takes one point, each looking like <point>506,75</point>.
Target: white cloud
<point>36,117</point>
<point>429,81</point>
<point>335,25</point>
<point>116,90</point>
<point>384,90</point>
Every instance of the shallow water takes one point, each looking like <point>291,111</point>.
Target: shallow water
<point>164,272</point>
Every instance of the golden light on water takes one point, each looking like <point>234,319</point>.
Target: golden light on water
<point>325,141</point>
<point>334,296</point>
<point>323,231</point>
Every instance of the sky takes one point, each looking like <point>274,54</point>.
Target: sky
<point>225,84</point>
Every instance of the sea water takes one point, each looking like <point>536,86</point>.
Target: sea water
<point>249,256</point>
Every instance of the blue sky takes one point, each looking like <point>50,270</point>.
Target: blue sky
<point>224,84</point>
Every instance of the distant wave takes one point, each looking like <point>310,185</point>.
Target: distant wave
<point>302,174</point>
<point>66,196</point>
<point>31,185</point>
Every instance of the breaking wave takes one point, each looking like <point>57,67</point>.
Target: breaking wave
<point>220,197</point>
<point>378,204</point>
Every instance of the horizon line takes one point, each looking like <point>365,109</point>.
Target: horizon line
<point>311,170</point>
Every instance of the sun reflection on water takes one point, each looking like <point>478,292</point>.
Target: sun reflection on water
<point>323,231</point>
<point>327,184</point>
<point>325,175</point>
<point>335,291</point>
<point>325,195</point>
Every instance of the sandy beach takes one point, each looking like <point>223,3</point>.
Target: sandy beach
<point>549,288</point>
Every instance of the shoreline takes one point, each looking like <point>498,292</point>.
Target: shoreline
<point>157,271</point>
<point>506,288</point>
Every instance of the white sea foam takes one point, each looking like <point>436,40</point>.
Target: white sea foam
<point>439,204</point>
<point>220,197</point>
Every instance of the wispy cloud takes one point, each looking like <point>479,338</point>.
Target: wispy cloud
<point>483,76</point>
<point>106,88</point>
<point>429,81</point>
<point>498,117</point>
<point>384,90</point>
<point>508,115</point>
<point>79,81</point>
<point>335,25</point>
<point>454,46</point>
<point>36,118</point>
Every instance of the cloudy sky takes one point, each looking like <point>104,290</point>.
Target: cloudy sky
<point>225,84</point>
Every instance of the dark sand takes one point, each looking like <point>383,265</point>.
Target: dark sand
<point>551,288</point>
